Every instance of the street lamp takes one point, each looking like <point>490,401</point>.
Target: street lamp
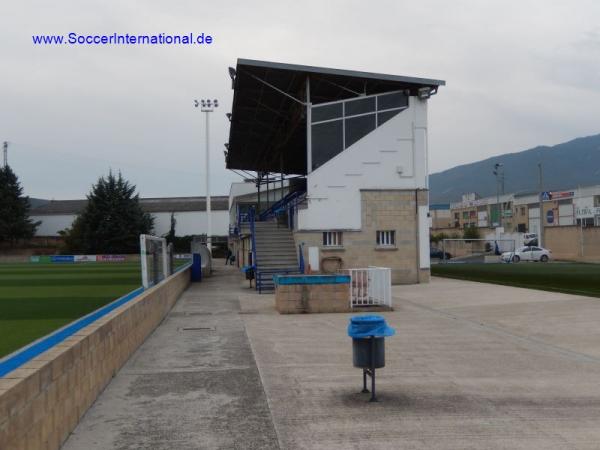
<point>207,106</point>
<point>541,214</point>
<point>499,176</point>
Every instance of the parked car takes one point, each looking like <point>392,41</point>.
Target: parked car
<point>530,239</point>
<point>438,253</point>
<point>528,253</point>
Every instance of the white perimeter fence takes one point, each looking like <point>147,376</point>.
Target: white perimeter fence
<point>370,287</point>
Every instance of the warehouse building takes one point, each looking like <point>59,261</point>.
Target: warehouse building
<point>190,215</point>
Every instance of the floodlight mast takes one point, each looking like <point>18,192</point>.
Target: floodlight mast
<point>497,167</point>
<point>207,106</point>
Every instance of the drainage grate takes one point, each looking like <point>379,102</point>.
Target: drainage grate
<point>197,329</point>
<point>189,314</point>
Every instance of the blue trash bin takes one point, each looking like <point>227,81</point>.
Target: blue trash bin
<point>368,335</point>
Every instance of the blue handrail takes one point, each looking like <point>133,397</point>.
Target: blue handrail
<point>301,259</point>
<point>280,205</point>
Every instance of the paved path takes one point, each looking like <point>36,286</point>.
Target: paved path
<point>472,366</point>
<point>193,384</point>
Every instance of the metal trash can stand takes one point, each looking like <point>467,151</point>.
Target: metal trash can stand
<point>368,335</point>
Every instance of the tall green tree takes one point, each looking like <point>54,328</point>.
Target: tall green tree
<point>111,222</point>
<point>15,223</point>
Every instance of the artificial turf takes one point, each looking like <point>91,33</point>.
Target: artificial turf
<point>36,299</point>
<point>571,278</point>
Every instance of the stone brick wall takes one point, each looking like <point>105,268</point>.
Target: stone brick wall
<point>381,210</point>
<point>312,298</point>
<point>42,401</point>
<point>573,243</point>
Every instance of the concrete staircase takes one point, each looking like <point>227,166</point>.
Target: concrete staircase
<point>275,253</point>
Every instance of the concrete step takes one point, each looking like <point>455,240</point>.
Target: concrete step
<point>276,246</point>
<point>277,254</point>
<point>273,238</point>
<point>277,263</point>
<point>269,225</point>
<point>270,238</point>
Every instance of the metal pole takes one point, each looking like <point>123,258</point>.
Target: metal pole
<point>541,218</point>
<point>308,128</point>
<point>580,235</point>
<point>259,178</point>
<point>208,205</point>
<point>498,200</point>
<point>373,397</point>
<point>267,190</point>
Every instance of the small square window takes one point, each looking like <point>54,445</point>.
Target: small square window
<point>386,238</point>
<point>332,238</point>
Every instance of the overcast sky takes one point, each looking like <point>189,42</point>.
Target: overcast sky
<point>518,73</point>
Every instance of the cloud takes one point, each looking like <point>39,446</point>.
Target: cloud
<point>519,74</point>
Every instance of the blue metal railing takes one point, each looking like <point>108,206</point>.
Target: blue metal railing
<point>252,235</point>
<point>265,278</point>
<point>281,205</point>
<point>300,259</point>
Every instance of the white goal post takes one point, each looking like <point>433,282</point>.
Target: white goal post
<point>154,258</point>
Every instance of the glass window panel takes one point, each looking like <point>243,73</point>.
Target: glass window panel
<point>327,141</point>
<point>394,100</point>
<point>358,127</point>
<point>383,117</point>
<point>327,112</point>
<point>361,106</point>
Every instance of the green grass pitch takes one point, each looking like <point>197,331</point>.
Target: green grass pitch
<point>571,278</point>
<point>36,299</point>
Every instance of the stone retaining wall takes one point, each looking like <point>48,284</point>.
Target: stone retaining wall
<point>380,210</point>
<point>312,298</point>
<point>43,400</point>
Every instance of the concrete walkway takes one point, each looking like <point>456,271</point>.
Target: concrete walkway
<point>193,384</point>
<point>472,366</point>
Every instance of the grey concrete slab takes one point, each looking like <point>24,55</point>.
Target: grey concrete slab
<point>472,366</point>
<point>192,385</point>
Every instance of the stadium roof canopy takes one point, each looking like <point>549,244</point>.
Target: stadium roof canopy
<point>268,118</point>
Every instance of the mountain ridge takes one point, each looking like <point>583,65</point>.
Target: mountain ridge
<point>567,165</point>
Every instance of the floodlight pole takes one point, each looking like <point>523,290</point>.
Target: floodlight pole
<point>497,173</point>
<point>207,106</point>
<point>308,128</point>
<point>541,214</point>
<point>208,205</point>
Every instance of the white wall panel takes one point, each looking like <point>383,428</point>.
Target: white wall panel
<point>333,190</point>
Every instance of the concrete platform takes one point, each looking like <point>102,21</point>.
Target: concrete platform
<point>193,383</point>
<point>472,366</point>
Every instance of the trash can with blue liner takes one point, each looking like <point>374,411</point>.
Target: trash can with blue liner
<point>368,335</point>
